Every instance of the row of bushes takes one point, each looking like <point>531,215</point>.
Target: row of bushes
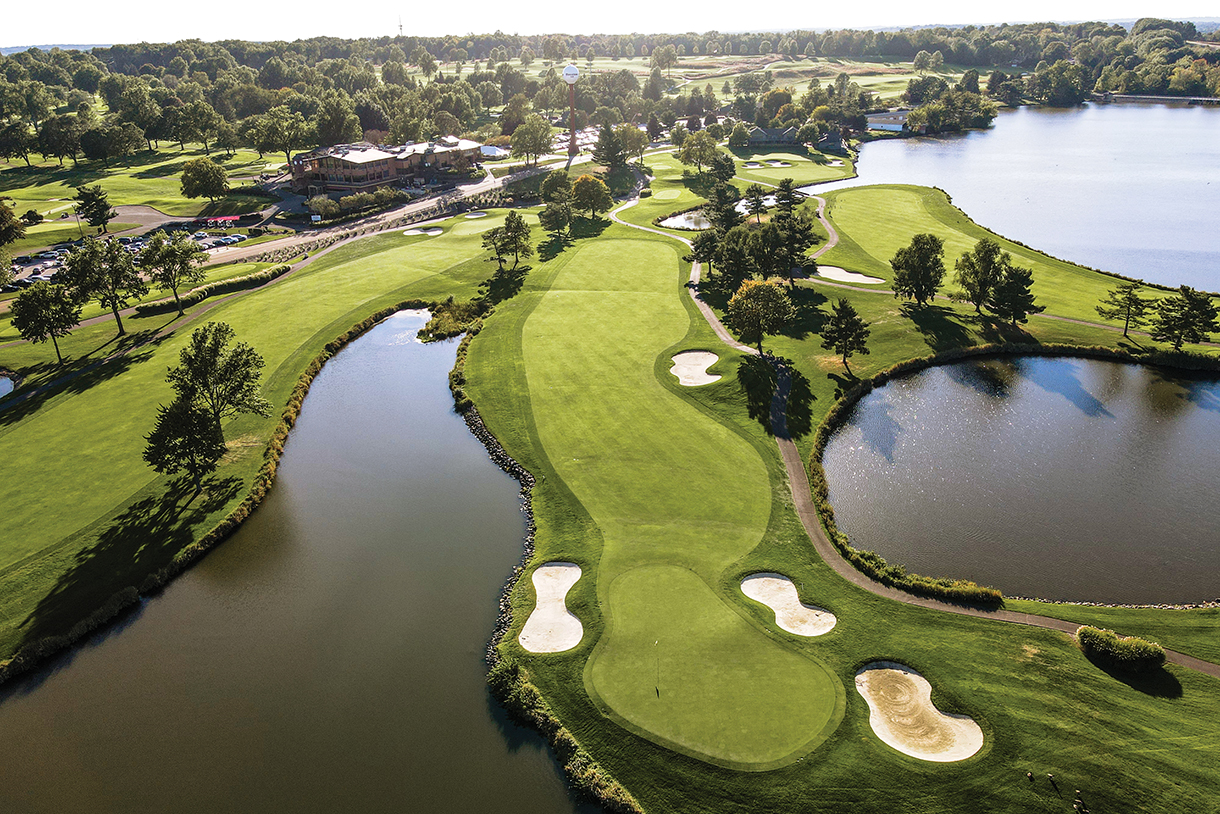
<point>457,376</point>
<point>873,564</point>
<point>32,653</point>
<point>510,684</point>
<point>454,317</point>
<point>198,295</point>
<point>1128,653</point>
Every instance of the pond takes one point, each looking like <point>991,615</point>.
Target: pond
<point>1064,479</point>
<point>327,657</point>
<point>1129,188</point>
<point>6,386</point>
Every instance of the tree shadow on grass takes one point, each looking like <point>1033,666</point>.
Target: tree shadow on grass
<point>940,326</point>
<point>810,318</point>
<point>1000,332</point>
<point>1159,683</point>
<point>584,227</point>
<point>553,246</point>
<point>140,541</point>
<point>504,284</point>
<point>800,404</point>
<point>758,379</point>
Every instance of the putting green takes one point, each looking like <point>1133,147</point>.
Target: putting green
<point>678,665</point>
<point>650,469</point>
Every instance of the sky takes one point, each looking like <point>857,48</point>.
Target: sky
<point>125,21</point>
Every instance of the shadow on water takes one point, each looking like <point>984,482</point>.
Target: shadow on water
<point>1063,379</point>
<point>141,540</point>
<point>991,377</point>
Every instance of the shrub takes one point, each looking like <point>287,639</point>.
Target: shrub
<point>645,193</point>
<point>197,295</point>
<point>1123,652</point>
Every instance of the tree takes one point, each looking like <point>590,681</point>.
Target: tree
<point>556,186</point>
<point>1188,317</point>
<point>174,263</point>
<point>517,237</point>
<point>219,380</point>
<point>336,121</point>
<point>654,127</point>
<point>11,227</point>
<point>698,149</point>
<point>284,131</point>
<point>1126,304</point>
<point>556,216</point>
<point>93,204</point>
<point>704,248</point>
<point>796,238</point>
<point>1011,297</point>
<point>45,311</point>
<point>980,269</point>
<point>678,134</point>
<point>495,240</point>
<point>756,204</point>
<point>609,150</point>
<point>787,197</point>
<point>739,136</point>
<point>633,140</point>
<point>104,271</point>
<point>664,58</point>
<point>59,137</point>
<point>721,208</point>
<point>919,268</point>
<point>723,167</point>
<point>592,194</point>
<point>198,122</point>
<point>757,309</point>
<point>532,138</point>
<point>17,140</point>
<point>845,332</point>
<point>185,438</point>
<point>203,177</point>
<point>922,62</point>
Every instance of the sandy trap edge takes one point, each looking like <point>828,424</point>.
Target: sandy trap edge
<point>901,714</point>
<point>778,593</point>
<point>690,366</point>
<point>551,627</point>
<point>845,276</point>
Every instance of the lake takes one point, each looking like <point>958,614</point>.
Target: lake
<point>1064,479</point>
<point>327,657</point>
<point>1128,188</point>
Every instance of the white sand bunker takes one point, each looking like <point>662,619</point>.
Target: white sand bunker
<point>834,162</point>
<point>845,276</point>
<point>778,593</point>
<point>902,715</point>
<point>690,366</point>
<point>752,164</point>
<point>473,215</point>
<point>433,232</point>
<point>778,164</point>
<point>552,628</point>
<point>410,232</point>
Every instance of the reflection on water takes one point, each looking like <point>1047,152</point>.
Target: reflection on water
<point>1127,188</point>
<point>6,386</point>
<point>328,656</point>
<point>1059,478</point>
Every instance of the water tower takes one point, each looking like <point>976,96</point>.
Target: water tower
<point>570,75</point>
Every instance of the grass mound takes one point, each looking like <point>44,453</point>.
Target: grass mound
<point>1129,653</point>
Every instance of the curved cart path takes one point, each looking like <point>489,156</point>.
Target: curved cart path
<point>802,496</point>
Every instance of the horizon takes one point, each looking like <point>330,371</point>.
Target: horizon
<point>27,27</point>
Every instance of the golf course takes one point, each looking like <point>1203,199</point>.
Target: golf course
<point>662,507</point>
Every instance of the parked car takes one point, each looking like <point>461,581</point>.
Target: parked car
<point>238,238</point>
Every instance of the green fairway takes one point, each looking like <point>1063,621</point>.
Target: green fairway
<point>147,178</point>
<point>803,168</point>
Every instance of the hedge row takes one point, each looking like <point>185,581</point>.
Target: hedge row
<point>457,376</point>
<point>873,564</point>
<point>1123,652</point>
<point>510,684</point>
<point>198,295</point>
<point>32,653</point>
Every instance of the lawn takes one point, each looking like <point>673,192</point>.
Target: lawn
<point>570,376</point>
<point>72,507</point>
<point>803,167</point>
<point>149,178</point>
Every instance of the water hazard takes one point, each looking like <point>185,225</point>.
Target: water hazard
<point>1057,478</point>
<point>328,657</point>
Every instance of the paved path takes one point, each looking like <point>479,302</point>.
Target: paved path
<point>802,496</point>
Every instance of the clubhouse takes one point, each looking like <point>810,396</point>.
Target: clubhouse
<point>364,167</point>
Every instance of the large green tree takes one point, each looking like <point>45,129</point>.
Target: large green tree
<point>517,237</point>
<point>532,138</point>
<point>633,140</point>
<point>173,263</point>
<point>17,140</point>
<point>845,332</point>
<point>919,268</point>
<point>103,270</point>
<point>45,311</point>
<point>608,151</point>
<point>12,228</point>
<point>980,269</point>
<point>698,149</point>
<point>93,204</point>
<point>1011,298</point>
<point>284,130</point>
<point>755,198</point>
<point>1188,317</point>
<point>185,438</point>
<point>757,309</point>
<point>1125,303</point>
<point>203,177</point>
<point>221,381</point>
<point>592,194</point>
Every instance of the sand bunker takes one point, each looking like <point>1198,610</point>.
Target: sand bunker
<point>690,366</point>
<point>901,713</point>
<point>473,215</point>
<point>778,164</point>
<point>410,232</point>
<point>844,276</point>
<point>834,162</point>
<point>552,628</point>
<point>433,232</point>
<point>778,593</point>
<point>752,165</point>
